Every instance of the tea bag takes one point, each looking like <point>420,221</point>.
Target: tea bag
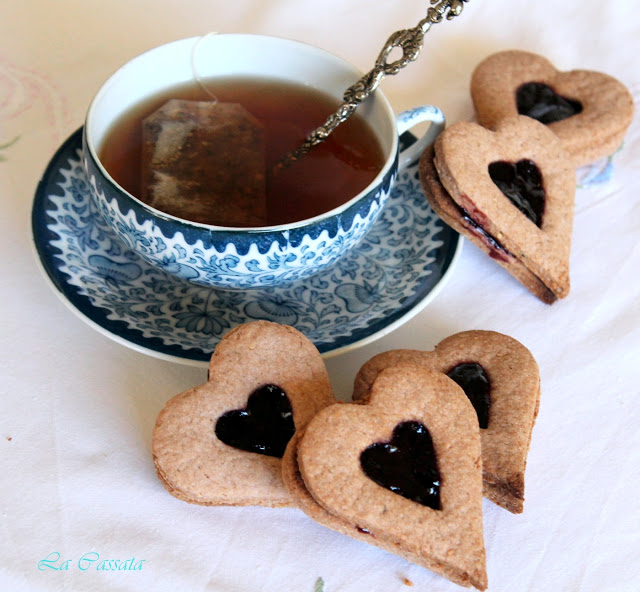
<point>205,161</point>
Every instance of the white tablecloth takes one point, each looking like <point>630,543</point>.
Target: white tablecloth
<point>77,409</point>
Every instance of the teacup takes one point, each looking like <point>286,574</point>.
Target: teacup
<point>240,258</point>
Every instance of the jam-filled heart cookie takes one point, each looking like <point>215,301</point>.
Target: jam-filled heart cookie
<point>402,472</point>
<point>501,378</point>
<point>589,111</point>
<point>221,443</point>
<point>511,192</point>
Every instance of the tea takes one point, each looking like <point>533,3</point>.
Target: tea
<point>328,176</point>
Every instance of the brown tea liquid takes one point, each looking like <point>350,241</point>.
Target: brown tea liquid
<point>328,176</point>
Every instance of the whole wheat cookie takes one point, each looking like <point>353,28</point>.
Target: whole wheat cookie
<point>502,380</point>
<point>221,443</point>
<point>402,472</point>
<point>589,111</point>
<point>511,192</point>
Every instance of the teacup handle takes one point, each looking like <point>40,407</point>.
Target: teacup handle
<point>411,117</point>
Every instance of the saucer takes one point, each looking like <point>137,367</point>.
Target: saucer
<point>398,268</point>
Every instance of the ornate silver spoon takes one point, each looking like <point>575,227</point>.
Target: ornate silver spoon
<point>410,42</point>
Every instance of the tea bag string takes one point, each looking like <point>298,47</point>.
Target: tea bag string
<point>194,70</point>
<point>410,42</point>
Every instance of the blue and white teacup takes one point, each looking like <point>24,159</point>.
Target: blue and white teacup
<point>243,258</point>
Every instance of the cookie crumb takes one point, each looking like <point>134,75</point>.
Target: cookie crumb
<point>9,438</point>
<point>407,582</point>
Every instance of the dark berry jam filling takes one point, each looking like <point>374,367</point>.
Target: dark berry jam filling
<point>264,426</point>
<point>539,101</point>
<point>497,250</point>
<point>522,183</point>
<point>473,380</point>
<point>406,465</point>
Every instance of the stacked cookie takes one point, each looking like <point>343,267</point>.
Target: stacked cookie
<point>403,467</point>
<point>220,443</point>
<point>507,182</point>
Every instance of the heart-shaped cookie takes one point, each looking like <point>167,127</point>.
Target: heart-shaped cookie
<point>354,469</point>
<point>589,111</point>
<point>221,443</point>
<point>501,378</point>
<point>511,192</point>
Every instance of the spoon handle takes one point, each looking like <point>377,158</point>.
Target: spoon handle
<point>410,42</point>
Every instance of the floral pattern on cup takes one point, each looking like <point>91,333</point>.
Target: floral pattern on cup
<point>251,260</point>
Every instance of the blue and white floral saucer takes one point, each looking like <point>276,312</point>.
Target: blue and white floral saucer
<point>396,271</point>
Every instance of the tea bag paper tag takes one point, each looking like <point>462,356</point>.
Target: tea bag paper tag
<point>204,161</point>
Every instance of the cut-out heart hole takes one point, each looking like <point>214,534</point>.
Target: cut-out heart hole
<point>406,465</point>
<point>521,183</point>
<point>265,426</point>
<point>541,102</point>
<point>475,383</point>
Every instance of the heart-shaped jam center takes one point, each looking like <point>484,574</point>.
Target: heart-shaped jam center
<point>473,380</point>
<point>541,102</point>
<point>264,426</point>
<point>407,464</point>
<point>521,183</point>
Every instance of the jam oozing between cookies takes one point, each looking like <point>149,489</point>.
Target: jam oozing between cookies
<point>470,221</point>
<point>264,426</point>
<point>473,380</point>
<point>521,183</point>
<point>406,465</point>
<point>496,250</point>
<point>539,101</point>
